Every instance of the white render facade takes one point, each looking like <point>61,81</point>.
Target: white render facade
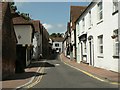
<point>57,46</point>
<point>24,37</point>
<point>37,43</point>
<point>24,34</point>
<point>72,42</point>
<point>97,35</point>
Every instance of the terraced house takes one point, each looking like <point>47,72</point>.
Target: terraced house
<point>75,12</point>
<point>37,40</point>
<point>97,35</point>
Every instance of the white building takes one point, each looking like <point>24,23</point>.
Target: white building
<point>24,33</point>
<point>75,12</point>
<point>37,40</point>
<point>57,46</point>
<point>97,35</point>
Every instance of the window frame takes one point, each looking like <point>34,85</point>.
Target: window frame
<point>115,8</point>
<point>100,44</point>
<point>100,10</point>
<point>116,41</point>
<point>56,44</point>
<point>83,23</point>
<point>90,19</point>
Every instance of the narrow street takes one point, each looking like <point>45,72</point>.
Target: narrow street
<point>59,75</point>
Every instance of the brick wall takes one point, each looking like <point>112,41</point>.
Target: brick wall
<point>8,42</point>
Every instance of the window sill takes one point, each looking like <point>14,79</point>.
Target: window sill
<point>100,21</point>
<point>100,56</point>
<point>115,56</point>
<point>115,12</point>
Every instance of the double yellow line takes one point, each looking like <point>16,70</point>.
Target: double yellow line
<point>36,81</point>
<point>90,75</point>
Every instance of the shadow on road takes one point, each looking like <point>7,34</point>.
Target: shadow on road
<point>24,75</point>
<point>53,56</point>
<point>41,64</point>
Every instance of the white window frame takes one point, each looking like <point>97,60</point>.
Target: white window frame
<point>90,23</point>
<point>115,5</point>
<point>116,43</point>
<point>78,28</point>
<point>100,10</point>
<point>56,44</point>
<point>100,44</point>
<point>83,23</point>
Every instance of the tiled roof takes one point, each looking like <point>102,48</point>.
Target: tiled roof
<point>20,20</point>
<point>57,39</point>
<point>75,12</point>
<point>36,24</point>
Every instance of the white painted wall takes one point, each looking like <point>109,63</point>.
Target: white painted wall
<point>119,31</point>
<point>106,27</point>
<point>60,45</point>
<point>25,31</point>
<point>24,36</point>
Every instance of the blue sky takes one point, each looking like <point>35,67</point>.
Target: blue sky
<point>53,15</point>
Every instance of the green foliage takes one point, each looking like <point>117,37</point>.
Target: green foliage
<point>56,35</point>
<point>26,16</point>
<point>12,6</point>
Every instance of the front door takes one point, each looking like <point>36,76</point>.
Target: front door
<point>91,46</point>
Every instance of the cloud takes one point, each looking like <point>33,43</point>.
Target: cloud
<point>47,26</point>
<point>60,25</point>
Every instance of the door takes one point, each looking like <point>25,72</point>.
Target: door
<point>91,46</point>
<point>90,53</point>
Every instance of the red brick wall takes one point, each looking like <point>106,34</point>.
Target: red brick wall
<point>8,42</point>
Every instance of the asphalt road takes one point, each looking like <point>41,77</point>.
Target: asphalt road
<point>59,75</point>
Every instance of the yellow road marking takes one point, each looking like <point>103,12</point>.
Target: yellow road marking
<point>115,83</point>
<point>37,81</point>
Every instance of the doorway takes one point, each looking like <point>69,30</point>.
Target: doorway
<point>91,50</point>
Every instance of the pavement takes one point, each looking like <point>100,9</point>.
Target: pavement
<point>32,73</point>
<point>97,73</point>
<point>23,79</point>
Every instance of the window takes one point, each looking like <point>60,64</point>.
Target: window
<point>89,18</point>
<point>100,44</point>
<point>83,21</point>
<point>78,28</point>
<point>116,43</point>
<point>100,11</point>
<point>57,45</point>
<point>115,5</point>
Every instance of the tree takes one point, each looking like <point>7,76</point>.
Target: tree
<point>12,6</point>
<point>57,34</point>
<point>53,35</point>
<point>24,15</point>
